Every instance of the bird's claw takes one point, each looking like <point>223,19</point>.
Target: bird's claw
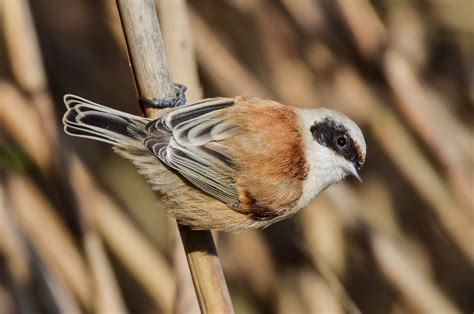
<point>169,102</point>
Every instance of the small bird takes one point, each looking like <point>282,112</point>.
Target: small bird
<point>229,163</point>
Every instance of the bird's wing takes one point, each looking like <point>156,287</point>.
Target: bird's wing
<point>188,140</point>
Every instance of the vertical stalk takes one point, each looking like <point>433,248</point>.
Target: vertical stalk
<point>153,80</point>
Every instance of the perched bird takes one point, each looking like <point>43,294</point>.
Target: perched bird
<point>229,163</point>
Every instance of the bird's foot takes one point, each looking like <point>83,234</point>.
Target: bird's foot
<point>178,100</point>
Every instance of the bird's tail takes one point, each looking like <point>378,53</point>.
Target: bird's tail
<point>84,118</point>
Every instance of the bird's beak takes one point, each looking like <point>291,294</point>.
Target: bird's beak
<point>351,169</point>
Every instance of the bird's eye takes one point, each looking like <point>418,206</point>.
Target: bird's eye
<point>341,141</point>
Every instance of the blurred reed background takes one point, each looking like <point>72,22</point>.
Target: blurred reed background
<point>81,232</point>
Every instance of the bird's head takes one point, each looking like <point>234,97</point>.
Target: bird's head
<point>335,146</point>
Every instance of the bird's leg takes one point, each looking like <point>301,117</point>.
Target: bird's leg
<point>178,100</point>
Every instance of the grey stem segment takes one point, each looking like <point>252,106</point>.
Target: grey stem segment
<point>153,80</point>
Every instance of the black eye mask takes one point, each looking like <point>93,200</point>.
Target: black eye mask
<point>336,137</point>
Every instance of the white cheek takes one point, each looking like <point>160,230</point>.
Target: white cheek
<point>325,169</point>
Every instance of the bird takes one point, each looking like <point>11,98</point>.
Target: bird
<point>229,164</point>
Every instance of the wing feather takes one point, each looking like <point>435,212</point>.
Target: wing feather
<point>188,140</point>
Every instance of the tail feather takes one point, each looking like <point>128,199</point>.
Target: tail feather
<point>84,118</point>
